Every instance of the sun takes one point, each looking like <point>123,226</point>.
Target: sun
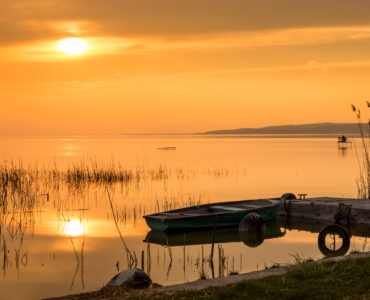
<point>73,46</point>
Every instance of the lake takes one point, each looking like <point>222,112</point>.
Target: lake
<point>63,234</point>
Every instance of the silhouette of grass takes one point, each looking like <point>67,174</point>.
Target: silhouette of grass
<point>363,181</point>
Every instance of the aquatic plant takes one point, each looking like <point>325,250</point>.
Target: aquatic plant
<point>363,181</point>
<point>27,187</point>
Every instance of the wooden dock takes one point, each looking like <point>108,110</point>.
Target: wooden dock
<point>343,210</point>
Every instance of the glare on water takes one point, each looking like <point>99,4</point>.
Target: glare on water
<point>73,228</point>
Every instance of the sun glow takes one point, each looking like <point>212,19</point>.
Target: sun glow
<point>73,46</point>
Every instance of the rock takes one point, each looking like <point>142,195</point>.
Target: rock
<point>131,278</point>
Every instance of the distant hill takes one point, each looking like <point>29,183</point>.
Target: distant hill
<point>316,128</point>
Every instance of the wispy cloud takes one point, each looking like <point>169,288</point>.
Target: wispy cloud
<point>46,50</point>
<point>310,66</point>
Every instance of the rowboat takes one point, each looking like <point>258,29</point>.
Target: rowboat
<point>221,214</point>
<point>224,235</point>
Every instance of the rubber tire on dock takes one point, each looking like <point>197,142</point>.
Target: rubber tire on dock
<point>288,196</point>
<point>252,230</point>
<point>340,230</point>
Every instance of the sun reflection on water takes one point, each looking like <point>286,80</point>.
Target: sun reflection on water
<point>73,228</point>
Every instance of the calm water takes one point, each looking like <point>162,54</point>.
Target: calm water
<point>69,243</point>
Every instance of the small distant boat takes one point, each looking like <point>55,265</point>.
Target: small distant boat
<point>344,140</point>
<point>205,216</point>
<point>166,148</point>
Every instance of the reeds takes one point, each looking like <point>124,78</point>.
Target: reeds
<point>25,188</point>
<point>18,187</point>
<point>363,181</point>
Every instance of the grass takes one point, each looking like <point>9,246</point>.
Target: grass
<point>233,273</point>
<point>347,279</point>
<point>203,275</point>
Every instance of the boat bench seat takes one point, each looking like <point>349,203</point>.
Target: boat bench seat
<point>246,206</point>
<point>221,208</point>
<point>165,214</point>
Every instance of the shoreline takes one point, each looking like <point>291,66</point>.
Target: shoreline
<point>199,285</point>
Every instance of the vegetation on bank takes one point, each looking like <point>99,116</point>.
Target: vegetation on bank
<point>347,279</point>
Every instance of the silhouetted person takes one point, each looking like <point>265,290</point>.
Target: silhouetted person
<point>344,139</point>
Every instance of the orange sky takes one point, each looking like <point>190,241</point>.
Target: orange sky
<point>181,66</point>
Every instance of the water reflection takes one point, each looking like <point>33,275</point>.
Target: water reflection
<point>69,149</point>
<point>329,243</point>
<point>251,239</point>
<point>43,240</point>
<point>343,151</point>
<point>333,239</point>
<point>73,228</point>
<point>225,263</point>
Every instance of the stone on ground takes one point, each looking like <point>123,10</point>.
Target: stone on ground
<point>131,278</point>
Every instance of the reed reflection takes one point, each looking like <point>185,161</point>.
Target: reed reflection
<point>205,238</point>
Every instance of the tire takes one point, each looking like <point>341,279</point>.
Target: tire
<point>342,232</point>
<point>288,196</point>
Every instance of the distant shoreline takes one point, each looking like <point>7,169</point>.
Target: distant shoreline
<point>179,135</point>
<point>314,128</point>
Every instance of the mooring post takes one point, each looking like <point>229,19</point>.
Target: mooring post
<point>302,196</point>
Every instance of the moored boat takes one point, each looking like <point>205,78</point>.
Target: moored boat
<point>222,214</point>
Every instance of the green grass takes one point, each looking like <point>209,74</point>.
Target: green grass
<point>349,279</point>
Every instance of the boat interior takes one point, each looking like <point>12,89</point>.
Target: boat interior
<point>218,208</point>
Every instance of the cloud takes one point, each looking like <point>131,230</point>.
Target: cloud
<point>309,67</point>
<point>46,50</point>
<point>25,20</point>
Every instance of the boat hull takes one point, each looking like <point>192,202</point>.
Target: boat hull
<point>207,221</point>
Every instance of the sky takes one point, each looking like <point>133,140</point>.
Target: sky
<point>180,66</point>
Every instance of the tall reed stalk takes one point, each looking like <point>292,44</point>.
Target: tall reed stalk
<point>363,181</point>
